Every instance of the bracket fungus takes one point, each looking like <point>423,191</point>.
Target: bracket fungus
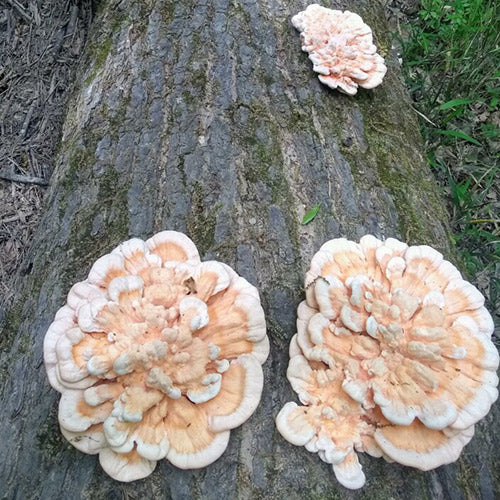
<point>340,46</point>
<point>156,354</point>
<point>392,357</point>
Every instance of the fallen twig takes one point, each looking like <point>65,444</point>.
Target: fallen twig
<point>70,29</point>
<point>423,116</point>
<point>27,120</point>
<point>25,179</point>
<point>20,10</point>
<point>7,220</point>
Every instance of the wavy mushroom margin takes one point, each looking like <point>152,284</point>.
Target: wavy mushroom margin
<point>392,357</point>
<point>156,355</point>
<point>340,46</point>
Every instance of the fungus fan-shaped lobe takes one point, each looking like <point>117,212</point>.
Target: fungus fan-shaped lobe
<point>341,48</point>
<point>156,355</point>
<point>187,429</point>
<point>391,342</point>
<point>125,467</point>
<point>420,447</point>
<point>172,246</point>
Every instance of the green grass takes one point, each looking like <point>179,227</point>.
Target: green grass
<point>451,62</point>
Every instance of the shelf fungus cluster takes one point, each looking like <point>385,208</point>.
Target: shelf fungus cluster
<point>156,354</point>
<point>392,357</point>
<point>340,46</point>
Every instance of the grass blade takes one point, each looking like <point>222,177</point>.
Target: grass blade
<point>455,102</point>
<point>309,216</point>
<point>460,135</point>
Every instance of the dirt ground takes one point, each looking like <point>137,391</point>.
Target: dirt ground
<point>41,42</point>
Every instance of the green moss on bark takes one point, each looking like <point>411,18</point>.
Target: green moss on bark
<point>468,480</point>
<point>202,220</point>
<point>49,437</point>
<point>100,55</point>
<point>88,242</point>
<point>12,326</point>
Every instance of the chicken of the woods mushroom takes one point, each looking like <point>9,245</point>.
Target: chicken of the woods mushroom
<point>156,354</point>
<point>392,357</point>
<point>340,46</point>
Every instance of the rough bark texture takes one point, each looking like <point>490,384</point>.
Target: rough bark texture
<point>205,117</point>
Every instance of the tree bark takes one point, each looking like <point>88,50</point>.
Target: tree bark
<point>205,117</point>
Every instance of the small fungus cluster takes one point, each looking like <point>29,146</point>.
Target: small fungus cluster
<point>392,357</point>
<point>156,354</point>
<point>340,46</point>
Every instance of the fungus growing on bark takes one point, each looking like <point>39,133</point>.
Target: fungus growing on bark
<point>156,354</point>
<point>392,357</point>
<point>340,46</point>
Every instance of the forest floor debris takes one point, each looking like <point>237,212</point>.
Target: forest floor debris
<point>41,42</point>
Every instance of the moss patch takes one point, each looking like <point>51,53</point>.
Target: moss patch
<point>202,220</point>
<point>100,55</point>
<point>48,437</point>
<point>112,196</point>
<point>167,10</point>
<point>266,163</point>
<point>11,326</point>
<point>79,160</point>
<point>468,480</point>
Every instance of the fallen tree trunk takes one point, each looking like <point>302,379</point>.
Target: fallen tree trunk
<point>205,117</point>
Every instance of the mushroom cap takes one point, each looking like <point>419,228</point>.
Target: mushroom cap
<point>340,46</point>
<point>392,356</point>
<point>156,355</point>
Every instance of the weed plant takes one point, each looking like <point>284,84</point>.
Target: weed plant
<point>451,61</point>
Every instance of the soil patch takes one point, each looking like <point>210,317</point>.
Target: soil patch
<point>41,42</point>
